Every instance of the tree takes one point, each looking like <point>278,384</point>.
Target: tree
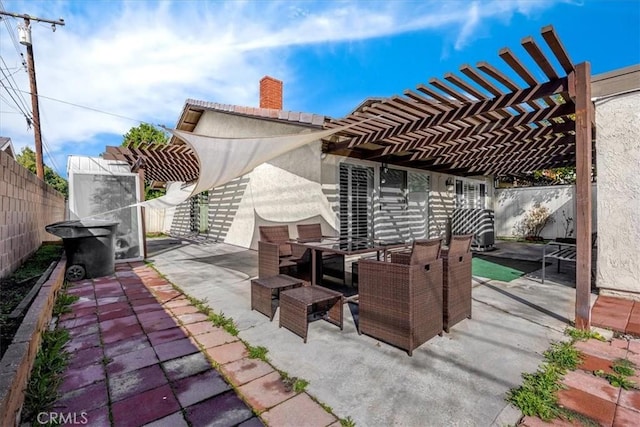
<point>144,133</point>
<point>27,158</point>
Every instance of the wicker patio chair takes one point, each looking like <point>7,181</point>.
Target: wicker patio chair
<point>276,255</point>
<point>457,280</point>
<point>422,251</point>
<point>309,232</point>
<point>400,304</point>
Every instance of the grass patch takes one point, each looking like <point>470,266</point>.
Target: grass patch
<point>38,262</point>
<point>622,369</point>
<point>153,234</point>
<point>298,385</point>
<point>347,422</point>
<point>258,352</point>
<point>226,323</point>
<point>17,286</point>
<point>582,334</point>
<point>46,375</point>
<point>63,302</point>
<point>218,319</point>
<point>563,356</point>
<point>537,394</point>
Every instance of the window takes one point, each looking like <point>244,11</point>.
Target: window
<point>470,195</point>
<point>356,185</point>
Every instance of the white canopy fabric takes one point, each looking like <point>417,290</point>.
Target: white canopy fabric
<point>224,159</point>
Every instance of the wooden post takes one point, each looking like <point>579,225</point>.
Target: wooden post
<point>144,226</point>
<point>584,120</point>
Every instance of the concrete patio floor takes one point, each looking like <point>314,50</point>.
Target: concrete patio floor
<point>460,378</point>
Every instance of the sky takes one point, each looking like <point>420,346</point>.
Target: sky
<point>115,64</point>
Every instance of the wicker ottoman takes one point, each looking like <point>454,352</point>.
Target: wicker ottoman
<point>265,292</point>
<point>298,306</point>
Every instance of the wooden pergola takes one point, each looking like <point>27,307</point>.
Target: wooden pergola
<point>483,121</point>
<point>160,162</point>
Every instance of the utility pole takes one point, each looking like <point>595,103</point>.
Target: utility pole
<point>25,39</point>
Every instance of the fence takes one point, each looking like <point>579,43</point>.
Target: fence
<point>27,205</point>
<point>511,205</point>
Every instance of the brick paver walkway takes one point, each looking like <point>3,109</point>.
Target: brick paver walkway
<point>592,395</point>
<point>142,355</point>
<point>617,314</point>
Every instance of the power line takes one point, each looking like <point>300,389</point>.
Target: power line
<point>16,102</point>
<point>89,108</point>
<point>11,33</point>
<point>12,83</point>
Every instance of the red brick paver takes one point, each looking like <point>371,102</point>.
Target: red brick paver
<point>137,360</point>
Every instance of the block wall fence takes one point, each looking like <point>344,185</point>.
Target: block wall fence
<point>27,205</point>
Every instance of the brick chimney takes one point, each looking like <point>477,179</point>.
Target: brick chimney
<point>270,93</point>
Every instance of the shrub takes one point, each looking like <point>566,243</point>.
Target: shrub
<point>534,221</point>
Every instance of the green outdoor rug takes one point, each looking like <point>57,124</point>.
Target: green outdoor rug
<point>502,269</point>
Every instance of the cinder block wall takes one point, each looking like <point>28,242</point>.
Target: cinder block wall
<point>27,205</point>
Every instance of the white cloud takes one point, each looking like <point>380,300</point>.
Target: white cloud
<point>143,59</point>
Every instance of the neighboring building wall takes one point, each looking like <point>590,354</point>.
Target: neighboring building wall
<point>512,204</point>
<point>618,163</point>
<point>28,205</point>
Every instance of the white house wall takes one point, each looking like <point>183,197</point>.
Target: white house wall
<point>285,190</point>
<point>618,163</point>
<point>297,187</point>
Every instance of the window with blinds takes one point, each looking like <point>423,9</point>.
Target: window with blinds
<point>356,184</point>
<point>470,195</point>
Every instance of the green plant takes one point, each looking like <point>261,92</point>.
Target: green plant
<point>219,319</point>
<point>563,356</point>
<point>616,379</point>
<point>63,302</point>
<point>299,385</point>
<point>293,383</point>
<point>582,334</point>
<point>624,367</point>
<point>534,221</point>
<point>347,422</point>
<point>257,353</point>
<point>51,361</point>
<point>537,394</point>
<point>326,407</point>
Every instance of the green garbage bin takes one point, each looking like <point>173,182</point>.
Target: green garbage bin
<point>89,247</point>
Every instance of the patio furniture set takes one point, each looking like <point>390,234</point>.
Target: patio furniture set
<point>405,297</point>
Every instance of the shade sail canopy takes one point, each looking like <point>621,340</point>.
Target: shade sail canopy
<point>217,160</point>
<point>485,121</point>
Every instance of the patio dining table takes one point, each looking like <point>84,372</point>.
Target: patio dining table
<point>347,247</point>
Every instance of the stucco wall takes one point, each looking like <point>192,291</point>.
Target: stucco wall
<point>618,163</point>
<point>27,205</point>
<point>512,204</point>
<point>284,190</point>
